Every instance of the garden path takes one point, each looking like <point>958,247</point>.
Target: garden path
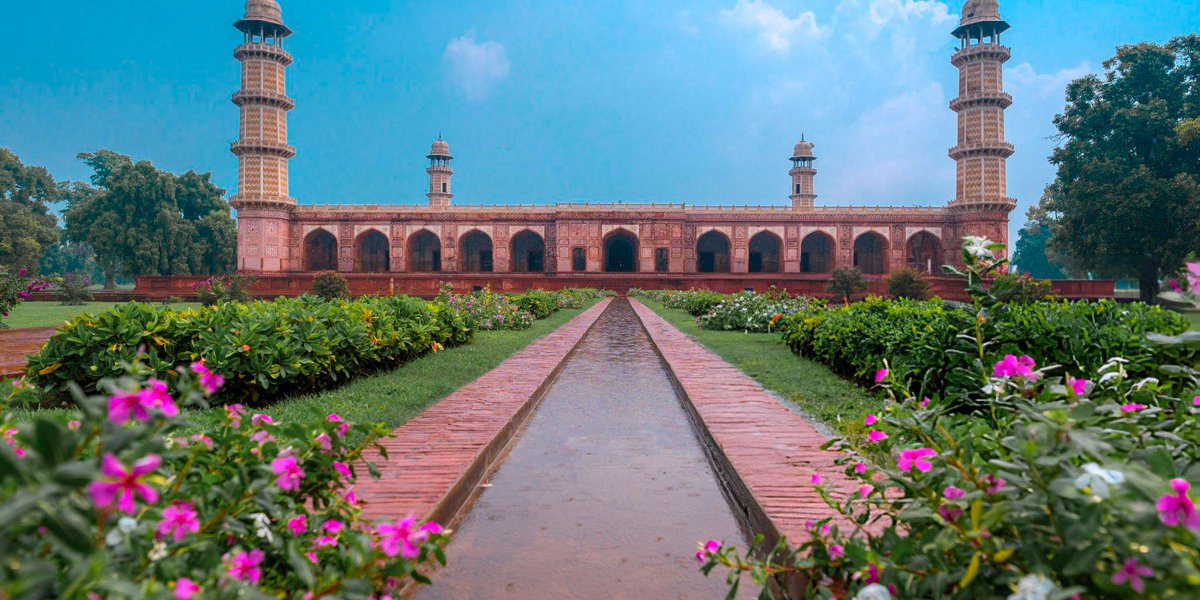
<point>16,344</point>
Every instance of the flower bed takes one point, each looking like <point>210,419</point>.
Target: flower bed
<point>694,302</point>
<point>486,310</point>
<point>122,504</point>
<point>265,349</point>
<point>755,313</point>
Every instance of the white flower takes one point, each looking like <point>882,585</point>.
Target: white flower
<point>158,552</point>
<point>873,592</point>
<point>1098,479</point>
<point>1033,587</point>
<point>262,526</point>
<point>125,526</point>
<point>977,246</point>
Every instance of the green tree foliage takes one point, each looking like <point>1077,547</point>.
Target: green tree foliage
<point>144,221</point>
<point>1031,254</point>
<point>27,226</point>
<point>847,282</point>
<point>1126,200</point>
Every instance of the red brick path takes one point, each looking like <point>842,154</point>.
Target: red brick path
<point>437,460</point>
<point>16,344</point>
<point>768,453</point>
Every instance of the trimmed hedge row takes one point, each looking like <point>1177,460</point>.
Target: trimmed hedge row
<point>931,345</point>
<point>264,349</point>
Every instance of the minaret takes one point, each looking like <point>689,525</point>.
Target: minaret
<point>439,174</point>
<point>262,199</point>
<point>803,190</point>
<point>981,153</point>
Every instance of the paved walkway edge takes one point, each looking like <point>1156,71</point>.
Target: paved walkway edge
<point>437,461</point>
<point>764,454</point>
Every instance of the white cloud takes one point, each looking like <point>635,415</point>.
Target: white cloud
<point>775,29</point>
<point>475,67</point>
<point>1024,77</point>
<point>881,12</point>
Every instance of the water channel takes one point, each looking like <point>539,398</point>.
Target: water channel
<point>604,495</point>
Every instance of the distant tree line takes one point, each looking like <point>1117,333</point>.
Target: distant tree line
<point>131,219</point>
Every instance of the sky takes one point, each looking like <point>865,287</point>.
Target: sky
<point>691,101</point>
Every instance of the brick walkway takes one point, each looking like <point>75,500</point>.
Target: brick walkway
<point>768,453</point>
<point>437,460</point>
<point>16,344</point>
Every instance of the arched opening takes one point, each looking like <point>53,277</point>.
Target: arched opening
<point>765,253</point>
<point>320,251</point>
<point>475,253</point>
<point>712,253</point>
<point>424,252</point>
<point>870,253</point>
<point>373,253</point>
<point>528,253</point>
<point>924,252</point>
<point>620,252</point>
<point>816,253</point>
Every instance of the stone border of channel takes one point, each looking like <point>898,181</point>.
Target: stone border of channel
<point>764,454</point>
<point>438,460</point>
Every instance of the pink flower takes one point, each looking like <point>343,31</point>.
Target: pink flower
<point>325,541</point>
<point>244,566</point>
<point>401,538</point>
<point>1132,407</point>
<point>708,549</point>
<point>1178,508</point>
<point>994,484</point>
<point>342,428</point>
<point>1174,285</point>
<point>816,479</point>
<point>860,468</point>
<point>349,496</point>
<point>234,413</point>
<point>1132,572</point>
<point>260,419</point>
<point>123,405</point>
<point>865,490</point>
<point>200,438</point>
<point>1012,366</point>
<point>870,420</point>
<point>925,402</point>
<point>342,469</point>
<point>1196,401</point>
<point>880,375</point>
<point>121,485</point>
<point>261,437</point>
<point>312,557</point>
<point>298,524</point>
<point>876,436</point>
<point>289,472</point>
<point>953,493</point>
<point>1193,276</point>
<point>211,382</point>
<point>916,458</point>
<point>324,442</point>
<point>332,526</point>
<point>74,425</point>
<point>1078,386</point>
<point>950,513</point>
<point>836,552</point>
<point>185,589</point>
<point>179,519</point>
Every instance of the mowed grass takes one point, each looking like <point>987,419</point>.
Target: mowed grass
<point>53,314</point>
<point>816,390</point>
<point>1194,319</point>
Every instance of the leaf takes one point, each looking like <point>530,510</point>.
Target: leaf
<point>50,369</point>
<point>300,565</point>
<point>972,571</point>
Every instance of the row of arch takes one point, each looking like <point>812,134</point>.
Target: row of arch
<point>620,249</point>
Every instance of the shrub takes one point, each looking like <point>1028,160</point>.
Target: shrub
<point>1067,488</point>
<point>578,297</point>
<point>73,289</point>
<point>693,302</point>
<point>846,282</point>
<point>909,283</point>
<point>330,285</point>
<point>265,349</point>
<point>16,287</point>
<point>539,303</point>
<point>757,313</point>
<point>247,509</point>
<point>226,288</point>
<point>1009,288</point>
<point>486,310</point>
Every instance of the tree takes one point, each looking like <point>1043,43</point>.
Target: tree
<point>27,226</point>
<point>847,282</point>
<point>1030,254</point>
<point>1126,199</point>
<point>144,221</point>
<point>909,283</point>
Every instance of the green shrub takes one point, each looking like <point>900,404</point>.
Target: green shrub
<point>757,313</point>
<point>909,283</point>
<point>1010,288</point>
<point>73,289</point>
<point>330,285</point>
<point>693,302</point>
<point>845,283</point>
<point>572,298</point>
<point>226,288</point>
<point>539,303</point>
<point>264,349</point>
<point>126,504</point>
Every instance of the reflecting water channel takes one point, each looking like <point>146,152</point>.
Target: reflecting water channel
<point>605,493</point>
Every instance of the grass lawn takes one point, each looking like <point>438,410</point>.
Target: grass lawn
<point>1194,318</point>
<point>811,386</point>
<point>53,314</point>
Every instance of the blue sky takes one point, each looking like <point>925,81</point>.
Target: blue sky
<point>558,100</point>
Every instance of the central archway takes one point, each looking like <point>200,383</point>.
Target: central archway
<point>816,253</point>
<point>528,253</point>
<point>620,252</point>
<point>712,253</point>
<point>320,251</point>
<point>475,253</point>
<point>765,253</point>
<point>424,252</point>
<point>372,253</point>
<point>924,252</point>
<point>870,253</point>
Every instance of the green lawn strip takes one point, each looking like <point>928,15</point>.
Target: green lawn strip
<point>53,314</point>
<point>1194,319</point>
<point>816,390</point>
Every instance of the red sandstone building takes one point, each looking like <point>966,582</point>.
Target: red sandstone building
<point>513,247</point>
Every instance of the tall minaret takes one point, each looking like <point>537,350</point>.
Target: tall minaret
<point>439,174</point>
<point>803,190</point>
<point>262,199</point>
<point>981,153</point>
